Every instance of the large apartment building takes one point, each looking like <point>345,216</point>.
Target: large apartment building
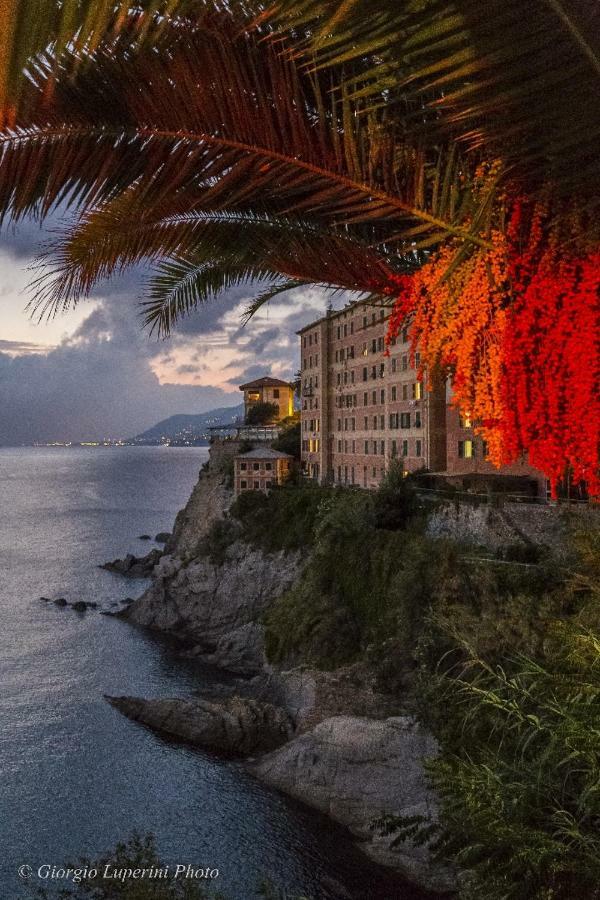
<point>362,409</point>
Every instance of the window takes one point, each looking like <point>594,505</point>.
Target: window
<point>339,332</point>
<point>339,446</point>
<point>353,423</point>
<point>374,372</point>
<point>374,423</point>
<point>404,420</point>
<point>382,397</point>
<point>418,422</point>
<point>255,466</point>
<point>382,448</point>
<point>366,448</point>
<point>394,361</point>
<point>374,397</point>
<point>380,344</point>
<point>394,450</point>
<point>465,449</point>
<point>365,399</point>
<point>418,450</point>
<point>381,370</point>
<point>405,362</point>
<point>394,391</point>
<point>364,321</point>
<point>404,448</point>
<point>268,484</point>
<point>416,390</point>
<point>256,485</point>
<point>405,392</point>
<point>269,467</point>
<point>339,421</point>
<point>382,422</point>
<point>244,466</point>
<point>394,417</point>
<point>374,346</point>
<point>405,335</point>
<point>366,423</point>
<point>464,421</point>
<point>243,484</point>
<point>365,373</point>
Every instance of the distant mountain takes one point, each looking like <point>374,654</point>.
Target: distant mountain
<point>188,429</point>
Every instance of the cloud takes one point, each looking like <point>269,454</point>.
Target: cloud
<point>96,372</point>
<point>21,348</point>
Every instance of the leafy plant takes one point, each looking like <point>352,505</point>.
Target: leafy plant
<point>519,773</point>
<point>262,414</point>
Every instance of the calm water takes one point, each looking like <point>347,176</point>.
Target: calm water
<point>75,776</point>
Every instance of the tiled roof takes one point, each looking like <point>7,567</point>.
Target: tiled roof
<point>267,381</point>
<point>264,453</point>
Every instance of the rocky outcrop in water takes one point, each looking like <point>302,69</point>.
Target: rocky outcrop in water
<point>356,770</point>
<point>134,566</point>
<point>236,727</point>
<point>216,610</point>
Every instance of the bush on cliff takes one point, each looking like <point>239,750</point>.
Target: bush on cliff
<point>519,775</point>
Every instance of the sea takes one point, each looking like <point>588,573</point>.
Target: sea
<point>76,776</point>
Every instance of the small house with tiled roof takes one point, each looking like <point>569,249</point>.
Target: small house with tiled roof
<point>269,390</point>
<point>260,469</point>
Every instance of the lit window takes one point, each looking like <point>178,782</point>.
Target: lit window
<point>465,449</point>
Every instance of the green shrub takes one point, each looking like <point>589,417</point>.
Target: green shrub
<point>284,519</point>
<point>220,536</point>
<point>519,775</point>
<point>289,441</point>
<point>135,853</point>
<point>262,413</point>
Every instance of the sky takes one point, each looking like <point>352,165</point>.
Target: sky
<point>94,372</point>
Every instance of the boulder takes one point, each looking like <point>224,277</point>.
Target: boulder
<point>356,770</point>
<point>162,537</point>
<point>134,566</point>
<point>144,537</point>
<point>79,606</point>
<point>235,727</point>
<point>60,601</point>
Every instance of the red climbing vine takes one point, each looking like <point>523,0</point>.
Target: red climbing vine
<point>518,328</point>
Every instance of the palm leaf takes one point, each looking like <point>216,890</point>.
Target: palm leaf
<point>518,78</point>
<point>215,138</point>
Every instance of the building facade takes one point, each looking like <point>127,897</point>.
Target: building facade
<point>260,469</point>
<point>269,390</point>
<point>361,409</point>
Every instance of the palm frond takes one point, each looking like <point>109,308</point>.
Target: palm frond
<point>108,240</point>
<point>519,78</point>
<point>223,113</point>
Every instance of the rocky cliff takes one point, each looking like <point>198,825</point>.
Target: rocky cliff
<point>347,752</point>
<point>216,609</point>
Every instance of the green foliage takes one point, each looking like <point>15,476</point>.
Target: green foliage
<point>135,853</point>
<point>289,441</point>
<point>262,414</point>
<point>282,520</point>
<point>520,773</point>
<point>396,500</point>
<point>218,539</point>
